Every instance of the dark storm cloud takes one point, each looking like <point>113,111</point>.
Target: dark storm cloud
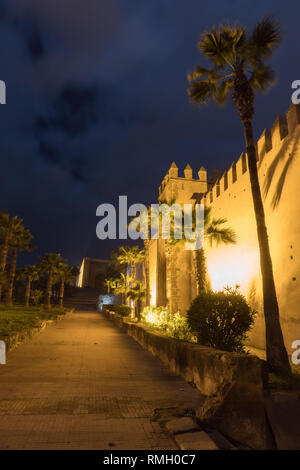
<point>49,152</point>
<point>98,105</point>
<point>27,29</point>
<point>73,111</point>
<point>35,44</point>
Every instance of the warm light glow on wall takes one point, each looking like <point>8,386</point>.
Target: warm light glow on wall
<point>232,265</point>
<point>80,276</point>
<point>153,295</point>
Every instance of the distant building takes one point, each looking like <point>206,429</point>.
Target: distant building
<point>93,273</point>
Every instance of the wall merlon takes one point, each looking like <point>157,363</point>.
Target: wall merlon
<point>202,174</point>
<point>188,172</point>
<point>293,116</point>
<point>279,130</point>
<point>173,171</point>
<point>264,143</point>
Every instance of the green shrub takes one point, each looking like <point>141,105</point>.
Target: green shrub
<point>221,319</point>
<point>36,296</point>
<point>123,310</point>
<point>174,325</point>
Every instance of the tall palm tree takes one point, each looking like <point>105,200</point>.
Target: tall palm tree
<point>30,273</point>
<point>8,226</point>
<point>19,241</point>
<point>65,274</point>
<point>237,66</point>
<point>51,263</point>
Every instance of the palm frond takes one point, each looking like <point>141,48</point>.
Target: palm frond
<point>203,72</point>
<point>216,233</point>
<point>201,91</point>
<point>222,91</point>
<point>262,76</point>
<point>214,46</point>
<point>264,38</point>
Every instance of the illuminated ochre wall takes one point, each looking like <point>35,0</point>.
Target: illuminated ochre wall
<point>230,197</point>
<point>92,273</point>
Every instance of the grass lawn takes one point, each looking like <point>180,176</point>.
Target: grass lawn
<point>18,318</point>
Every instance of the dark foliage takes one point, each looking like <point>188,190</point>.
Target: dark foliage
<point>123,310</point>
<point>221,319</point>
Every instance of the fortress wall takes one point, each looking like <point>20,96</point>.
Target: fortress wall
<point>279,174</point>
<point>181,189</point>
<point>153,271</point>
<point>278,154</point>
<point>176,280</point>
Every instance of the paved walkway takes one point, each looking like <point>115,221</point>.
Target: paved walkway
<point>83,384</point>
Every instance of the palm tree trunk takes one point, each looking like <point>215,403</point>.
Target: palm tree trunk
<point>3,257</point>
<point>12,274</point>
<point>201,271</point>
<point>276,352</point>
<point>133,272</point>
<point>47,304</point>
<point>61,293</point>
<point>4,252</point>
<point>27,293</point>
<point>133,275</point>
<point>147,272</point>
<point>138,309</point>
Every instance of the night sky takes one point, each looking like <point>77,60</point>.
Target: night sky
<point>97,106</point>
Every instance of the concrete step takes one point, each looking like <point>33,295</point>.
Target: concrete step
<point>86,298</point>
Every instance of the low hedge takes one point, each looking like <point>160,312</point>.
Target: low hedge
<point>123,310</point>
<point>221,320</point>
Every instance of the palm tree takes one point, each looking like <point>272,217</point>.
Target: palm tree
<point>36,296</point>
<point>121,286</point>
<point>237,66</point>
<point>8,226</point>
<point>20,241</point>
<point>51,263</point>
<point>65,274</point>
<point>30,273</point>
<point>131,255</point>
<point>136,293</point>
<point>214,233</point>
<point>151,219</point>
<point>145,219</point>
<point>109,284</point>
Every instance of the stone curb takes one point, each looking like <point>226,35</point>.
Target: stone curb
<point>231,384</point>
<point>199,440</point>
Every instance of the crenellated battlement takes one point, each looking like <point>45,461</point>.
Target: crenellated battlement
<point>172,176</point>
<point>269,140</point>
<point>173,273</point>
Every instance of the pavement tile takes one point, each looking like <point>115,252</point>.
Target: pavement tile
<point>83,384</point>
